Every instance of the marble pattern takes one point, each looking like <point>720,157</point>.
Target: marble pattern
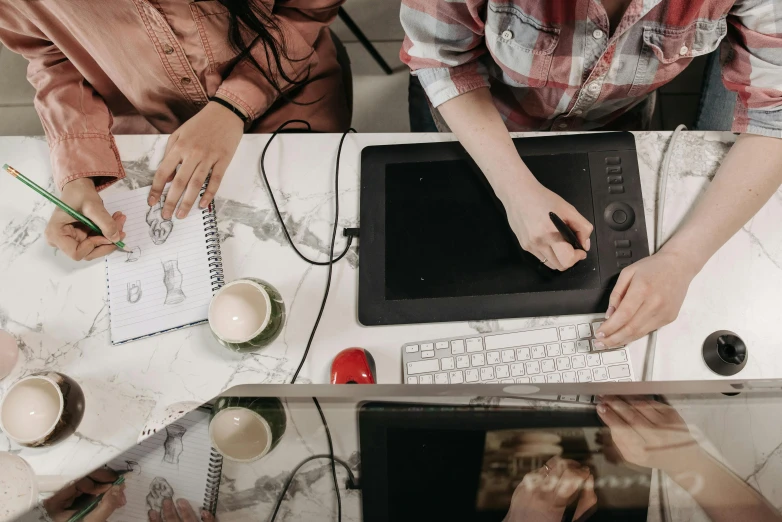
<point>57,311</point>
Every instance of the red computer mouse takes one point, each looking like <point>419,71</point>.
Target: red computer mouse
<point>353,366</point>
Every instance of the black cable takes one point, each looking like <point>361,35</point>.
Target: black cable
<point>331,454</point>
<point>331,261</point>
<point>350,485</point>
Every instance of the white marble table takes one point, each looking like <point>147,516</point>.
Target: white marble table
<point>56,308</point>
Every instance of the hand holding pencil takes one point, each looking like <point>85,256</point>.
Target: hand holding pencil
<point>80,226</point>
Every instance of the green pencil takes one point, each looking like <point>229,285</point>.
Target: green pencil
<point>54,199</point>
<point>89,507</point>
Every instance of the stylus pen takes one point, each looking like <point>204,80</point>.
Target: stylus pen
<point>58,202</point>
<point>567,234</point>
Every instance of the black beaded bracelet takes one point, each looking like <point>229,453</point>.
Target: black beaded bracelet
<point>231,108</point>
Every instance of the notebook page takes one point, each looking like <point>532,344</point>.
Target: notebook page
<point>174,462</point>
<point>165,283</point>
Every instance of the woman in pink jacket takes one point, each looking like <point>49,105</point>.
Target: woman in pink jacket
<point>203,71</point>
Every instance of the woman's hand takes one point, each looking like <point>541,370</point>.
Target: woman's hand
<point>73,238</point>
<point>647,433</point>
<point>528,207</point>
<point>58,506</point>
<point>543,495</point>
<point>182,512</point>
<point>206,142</point>
<point>647,296</point>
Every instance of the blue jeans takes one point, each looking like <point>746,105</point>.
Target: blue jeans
<point>717,103</point>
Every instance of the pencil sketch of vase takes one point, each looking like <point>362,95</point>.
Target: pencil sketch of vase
<point>173,445</point>
<point>134,291</point>
<point>159,228</point>
<point>172,279</point>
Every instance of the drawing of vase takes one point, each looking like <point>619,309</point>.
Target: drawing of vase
<point>172,279</point>
<point>173,445</point>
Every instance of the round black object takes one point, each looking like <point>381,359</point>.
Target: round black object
<point>619,216</point>
<point>725,353</point>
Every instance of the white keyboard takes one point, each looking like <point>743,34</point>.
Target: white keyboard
<point>542,355</point>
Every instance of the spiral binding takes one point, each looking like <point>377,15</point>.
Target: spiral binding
<point>214,257</point>
<point>213,481</point>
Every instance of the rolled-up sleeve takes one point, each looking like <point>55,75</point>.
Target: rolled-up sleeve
<point>301,23</point>
<point>752,66</point>
<point>443,43</point>
<point>75,118</point>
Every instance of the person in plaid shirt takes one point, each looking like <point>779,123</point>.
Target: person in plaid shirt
<point>490,66</point>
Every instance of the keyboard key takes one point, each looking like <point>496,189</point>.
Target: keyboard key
<point>441,378</point>
<point>517,370</point>
<point>596,326</point>
<point>553,377</point>
<point>457,377</point>
<point>582,347</point>
<point>522,380</point>
<point>552,350</point>
<point>507,381</point>
<point>502,371</point>
<point>596,348</point>
<point>522,354</point>
<point>569,377</point>
<point>414,368</point>
<point>539,378</point>
<point>478,359</point>
<point>474,344</point>
<point>492,357</point>
<point>563,363</point>
<point>568,333</point>
<point>614,356</point>
<point>509,340</point>
<point>425,379</point>
<point>538,351</point>
<point>568,398</point>
<point>586,399</point>
<point>508,356</point>
<point>568,348</point>
<point>457,347</point>
<point>593,359</point>
<point>412,380</point>
<point>446,363</point>
<point>471,375</point>
<point>625,380</point>
<point>599,374</point>
<point>584,331</point>
<point>462,361</point>
<point>578,361</point>
<point>411,348</point>
<point>584,376</point>
<point>618,372</point>
<point>487,373</point>
<point>442,345</point>
<point>427,354</point>
<point>427,346</point>
<point>533,367</point>
<point>548,365</point>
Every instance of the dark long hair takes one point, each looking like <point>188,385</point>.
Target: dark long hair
<point>251,17</point>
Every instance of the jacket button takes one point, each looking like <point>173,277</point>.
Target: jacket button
<point>185,81</point>
<point>168,49</point>
<point>507,35</point>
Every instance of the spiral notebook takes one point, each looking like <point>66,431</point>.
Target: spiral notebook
<point>174,267</point>
<point>176,462</point>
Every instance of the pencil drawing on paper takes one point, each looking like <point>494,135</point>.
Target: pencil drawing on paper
<point>134,291</point>
<point>172,280</point>
<point>134,255</point>
<point>173,445</point>
<point>159,489</point>
<point>133,467</point>
<point>159,228</point>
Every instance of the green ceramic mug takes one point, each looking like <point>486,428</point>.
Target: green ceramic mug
<point>244,429</point>
<point>246,314</point>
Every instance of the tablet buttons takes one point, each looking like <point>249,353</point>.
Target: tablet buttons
<point>613,160</point>
<point>624,253</point>
<point>615,179</point>
<point>614,169</point>
<point>619,216</point>
<point>616,189</point>
<point>622,243</point>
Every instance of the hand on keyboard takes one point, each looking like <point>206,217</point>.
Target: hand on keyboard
<point>647,296</point>
<point>543,495</point>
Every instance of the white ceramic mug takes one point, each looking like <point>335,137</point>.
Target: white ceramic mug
<point>41,409</point>
<point>244,429</point>
<point>19,487</point>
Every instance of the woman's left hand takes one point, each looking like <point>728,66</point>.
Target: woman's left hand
<point>647,296</point>
<point>206,142</point>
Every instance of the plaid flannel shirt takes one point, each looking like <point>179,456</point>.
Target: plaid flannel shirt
<point>553,65</point>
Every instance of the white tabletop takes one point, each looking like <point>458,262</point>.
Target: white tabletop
<point>56,308</point>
